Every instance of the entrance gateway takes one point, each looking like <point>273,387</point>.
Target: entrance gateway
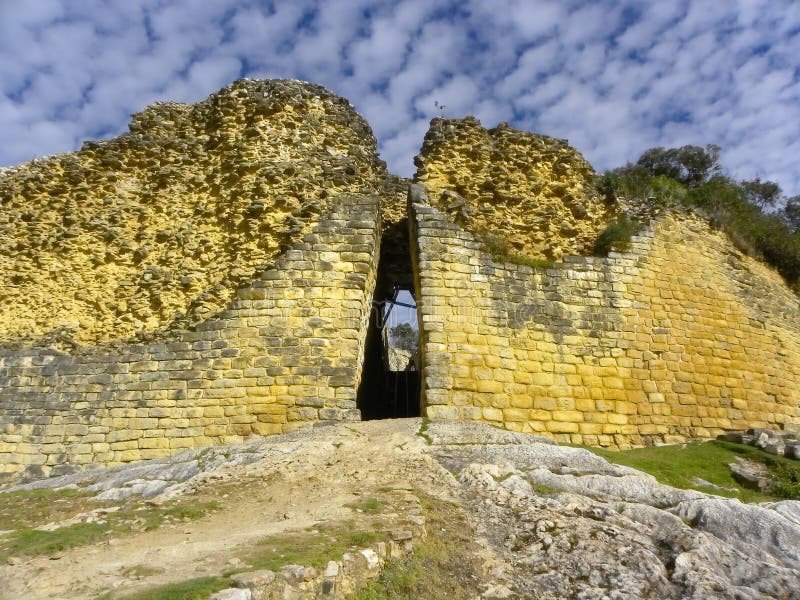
<point>390,380</point>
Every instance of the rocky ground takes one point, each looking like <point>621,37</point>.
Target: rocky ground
<point>547,521</point>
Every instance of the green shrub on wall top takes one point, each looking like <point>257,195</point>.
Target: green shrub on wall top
<point>616,236</point>
<point>753,213</point>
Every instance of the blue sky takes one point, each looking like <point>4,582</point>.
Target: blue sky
<point>613,77</point>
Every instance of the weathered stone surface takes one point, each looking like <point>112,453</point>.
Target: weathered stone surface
<point>533,191</point>
<point>163,224</point>
<point>253,579</point>
<point>559,545</point>
<point>632,349</point>
<point>231,594</point>
<point>680,337</point>
<point>751,474</point>
<point>546,521</point>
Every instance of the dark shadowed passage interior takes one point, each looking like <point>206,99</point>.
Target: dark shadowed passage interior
<point>390,382</point>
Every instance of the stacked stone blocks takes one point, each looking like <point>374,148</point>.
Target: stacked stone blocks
<point>671,340</point>
<point>286,353</point>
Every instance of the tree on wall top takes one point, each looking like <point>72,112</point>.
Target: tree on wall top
<point>405,337</point>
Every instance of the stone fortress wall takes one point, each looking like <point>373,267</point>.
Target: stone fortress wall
<point>679,337</point>
<point>157,228</point>
<point>288,351</point>
<point>237,238</point>
<point>261,326</point>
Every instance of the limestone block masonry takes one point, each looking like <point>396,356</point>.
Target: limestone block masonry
<point>210,275</point>
<point>286,352</point>
<point>680,337</point>
<point>157,228</point>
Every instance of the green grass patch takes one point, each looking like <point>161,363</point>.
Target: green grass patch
<point>310,548</point>
<point>423,428</point>
<point>313,547</point>
<point>675,465</point>
<point>34,508</point>
<point>544,489</point>
<point>192,589</point>
<point>33,542</point>
<point>139,518</point>
<point>787,479</point>
<point>441,566</point>
<point>25,540</point>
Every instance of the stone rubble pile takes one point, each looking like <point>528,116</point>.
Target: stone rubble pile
<point>531,192</point>
<point>339,578</point>
<point>781,443</point>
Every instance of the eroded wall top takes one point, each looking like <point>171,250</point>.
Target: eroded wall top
<point>532,190</point>
<point>161,225</point>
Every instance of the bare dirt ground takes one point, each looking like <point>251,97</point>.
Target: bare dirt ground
<point>303,483</point>
<point>538,520</point>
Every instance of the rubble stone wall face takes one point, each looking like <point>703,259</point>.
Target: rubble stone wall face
<point>523,193</point>
<point>288,351</point>
<point>156,229</point>
<point>679,337</point>
<point>238,241</point>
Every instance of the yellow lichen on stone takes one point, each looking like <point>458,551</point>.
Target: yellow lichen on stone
<point>532,191</point>
<point>162,224</point>
<point>681,337</point>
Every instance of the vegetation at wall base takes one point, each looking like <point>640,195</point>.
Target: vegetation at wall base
<point>676,465</point>
<point>441,566</point>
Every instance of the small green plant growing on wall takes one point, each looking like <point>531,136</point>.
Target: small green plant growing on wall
<point>616,236</point>
<point>501,251</point>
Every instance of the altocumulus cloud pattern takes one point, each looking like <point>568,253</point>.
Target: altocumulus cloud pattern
<point>614,77</point>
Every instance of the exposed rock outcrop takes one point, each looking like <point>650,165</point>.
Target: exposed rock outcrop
<point>549,522</point>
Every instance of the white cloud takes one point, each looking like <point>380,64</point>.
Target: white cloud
<point>616,77</point>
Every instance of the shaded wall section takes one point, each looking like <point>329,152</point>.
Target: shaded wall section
<point>287,352</point>
<point>680,337</point>
<point>389,389</point>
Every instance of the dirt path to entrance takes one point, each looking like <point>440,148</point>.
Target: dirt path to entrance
<point>307,482</point>
<point>529,519</point>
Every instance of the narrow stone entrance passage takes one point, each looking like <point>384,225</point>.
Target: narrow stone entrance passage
<point>390,382</point>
